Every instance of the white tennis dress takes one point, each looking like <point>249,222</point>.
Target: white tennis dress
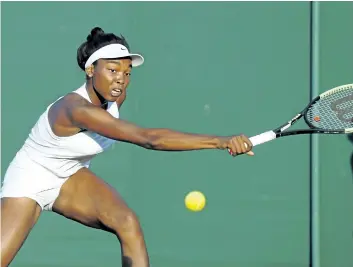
<point>46,161</point>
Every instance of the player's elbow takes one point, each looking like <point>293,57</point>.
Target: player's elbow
<point>143,138</point>
<point>153,140</point>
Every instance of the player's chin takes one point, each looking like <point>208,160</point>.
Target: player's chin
<point>111,98</point>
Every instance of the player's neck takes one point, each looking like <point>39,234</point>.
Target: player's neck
<point>94,96</point>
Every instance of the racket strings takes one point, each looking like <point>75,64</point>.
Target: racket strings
<point>334,111</point>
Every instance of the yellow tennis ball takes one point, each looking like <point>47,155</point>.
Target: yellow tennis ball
<point>195,201</point>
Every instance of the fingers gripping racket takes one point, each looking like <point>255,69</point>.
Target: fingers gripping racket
<point>329,113</point>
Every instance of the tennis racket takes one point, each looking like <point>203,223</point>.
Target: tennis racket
<point>329,113</point>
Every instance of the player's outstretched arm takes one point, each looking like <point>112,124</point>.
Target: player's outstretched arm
<point>95,119</point>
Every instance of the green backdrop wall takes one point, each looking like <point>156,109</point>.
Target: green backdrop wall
<point>213,68</point>
<point>335,162</point>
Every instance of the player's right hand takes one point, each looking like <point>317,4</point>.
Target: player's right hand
<point>237,145</point>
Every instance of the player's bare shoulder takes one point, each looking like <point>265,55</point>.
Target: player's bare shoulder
<point>60,114</point>
<point>73,100</point>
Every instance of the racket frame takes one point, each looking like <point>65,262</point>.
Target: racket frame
<point>281,131</point>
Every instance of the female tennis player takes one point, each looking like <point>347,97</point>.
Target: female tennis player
<point>51,170</point>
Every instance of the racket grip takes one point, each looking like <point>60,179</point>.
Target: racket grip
<point>262,138</point>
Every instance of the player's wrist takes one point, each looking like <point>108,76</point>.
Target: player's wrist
<point>222,142</point>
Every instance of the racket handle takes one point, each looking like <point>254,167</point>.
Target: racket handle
<point>260,139</point>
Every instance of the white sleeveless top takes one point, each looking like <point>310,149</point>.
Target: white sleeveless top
<point>65,155</point>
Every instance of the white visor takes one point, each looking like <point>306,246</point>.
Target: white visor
<point>114,51</point>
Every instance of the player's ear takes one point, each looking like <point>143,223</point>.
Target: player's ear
<point>89,71</point>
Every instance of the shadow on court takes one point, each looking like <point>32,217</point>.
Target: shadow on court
<point>350,137</point>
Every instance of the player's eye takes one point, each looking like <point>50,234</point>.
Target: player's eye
<point>128,74</point>
<point>112,70</point>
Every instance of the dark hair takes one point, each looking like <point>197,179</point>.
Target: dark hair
<point>95,40</point>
